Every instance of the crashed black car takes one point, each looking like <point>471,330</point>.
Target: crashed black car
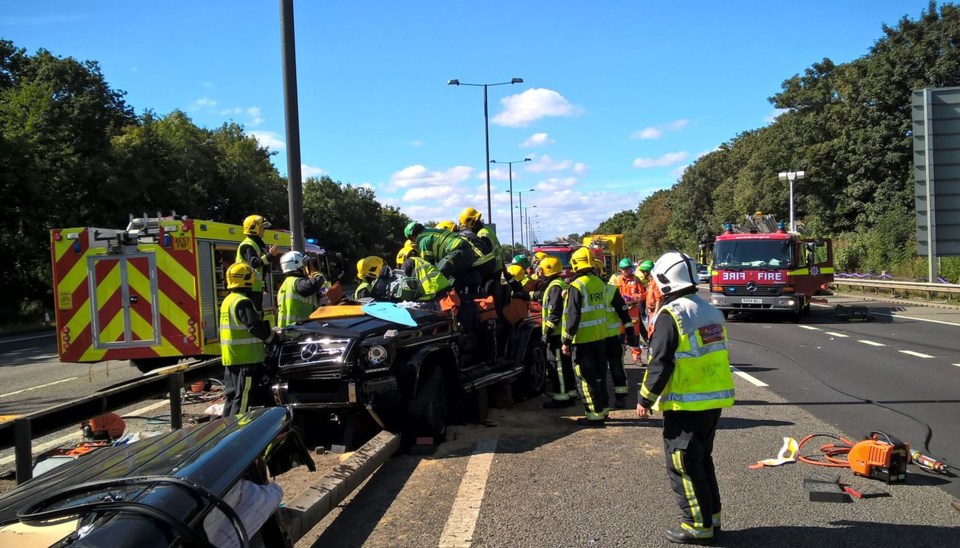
<point>407,377</point>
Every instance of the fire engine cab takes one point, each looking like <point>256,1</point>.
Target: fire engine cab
<point>764,268</point>
<point>149,293</point>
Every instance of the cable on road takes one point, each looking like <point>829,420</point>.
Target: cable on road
<point>927,437</point>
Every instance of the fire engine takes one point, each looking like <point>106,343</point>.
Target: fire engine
<point>611,246</point>
<point>149,293</point>
<point>762,267</point>
<point>562,249</point>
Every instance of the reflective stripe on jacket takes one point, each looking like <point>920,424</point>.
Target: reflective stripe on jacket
<point>237,345</point>
<point>431,280</point>
<point>293,307</point>
<point>547,311</point>
<point>593,310</point>
<point>497,251</point>
<point>701,378</point>
<point>258,272</point>
<point>613,319</point>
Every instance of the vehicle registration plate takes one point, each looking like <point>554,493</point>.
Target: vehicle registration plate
<point>752,301</point>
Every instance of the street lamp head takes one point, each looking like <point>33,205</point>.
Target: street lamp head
<point>782,176</point>
<point>532,190</point>
<point>493,161</point>
<point>453,82</point>
<point>801,174</point>
<point>516,81</point>
<point>526,159</point>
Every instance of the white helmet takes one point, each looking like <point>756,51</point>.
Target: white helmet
<point>674,271</point>
<point>292,261</point>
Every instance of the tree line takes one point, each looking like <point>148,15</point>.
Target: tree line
<point>848,126</point>
<point>74,153</point>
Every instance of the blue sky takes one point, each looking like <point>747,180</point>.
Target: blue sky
<point>618,96</point>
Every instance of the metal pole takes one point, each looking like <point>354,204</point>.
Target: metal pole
<point>176,412</point>
<point>520,194</point>
<point>792,227</point>
<point>486,134</point>
<point>23,449</point>
<point>929,177</point>
<point>513,239</point>
<point>292,112</point>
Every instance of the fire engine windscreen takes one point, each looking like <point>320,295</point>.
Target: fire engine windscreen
<point>753,253</point>
<point>563,256</point>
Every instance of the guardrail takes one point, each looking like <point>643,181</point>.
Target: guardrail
<point>893,285</point>
<point>19,432</point>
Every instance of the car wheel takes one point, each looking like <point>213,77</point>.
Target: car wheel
<point>428,409</point>
<point>533,380</point>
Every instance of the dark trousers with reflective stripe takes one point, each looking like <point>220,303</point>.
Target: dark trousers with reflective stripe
<point>688,445</point>
<point>245,386</point>
<point>560,369</point>
<point>590,364</point>
<point>615,363</point>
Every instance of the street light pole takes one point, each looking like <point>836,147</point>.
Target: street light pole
<point>486,129</point>
<point>520,194</point>
<point>791,176</point>
<point>513,239</point>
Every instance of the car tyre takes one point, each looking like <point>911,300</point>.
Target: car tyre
<point>533,380</point>
<point>428,408</point>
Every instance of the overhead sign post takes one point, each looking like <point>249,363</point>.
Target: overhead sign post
<point>936,159</point>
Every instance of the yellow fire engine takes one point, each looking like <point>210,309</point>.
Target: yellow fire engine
<point>613,247</point>
<point>149,293</point>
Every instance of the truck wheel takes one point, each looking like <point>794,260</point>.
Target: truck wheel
<point>533,380</point>
<point>428,409</point>
<point>146,365</point>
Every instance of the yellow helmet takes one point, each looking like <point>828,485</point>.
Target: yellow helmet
<point>254,225</point>
<point>551,266</point>
<point>469,217</point>
<point>517,271</point>
<point>408,250</point>
<point>447,225</point>
<point>539,256</point>
<point>240,275</point>
<point>598,264</point>
<point>369,267</point>
<point>581,259</point>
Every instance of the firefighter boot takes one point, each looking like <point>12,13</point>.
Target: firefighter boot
<point>684,535</point>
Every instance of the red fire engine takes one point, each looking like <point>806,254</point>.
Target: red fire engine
<point>563,249</point>
<point>764,268</point>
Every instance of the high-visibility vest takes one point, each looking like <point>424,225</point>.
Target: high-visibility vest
<point>613,319</point>
<point>593,310</point>
<point>363,285</point>
<point>497,251</point>
<point>292,306</point>
<point>237,345</point>
<point>545,311</point>
<point>432,281</point>
<point>702,378</point>
<point>257,272</point>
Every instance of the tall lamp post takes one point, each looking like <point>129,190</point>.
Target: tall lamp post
<point>526,215</point>
<point>520,196</point>
<point>791,176</point>
<point>486,128</point>
<point>513,240</point>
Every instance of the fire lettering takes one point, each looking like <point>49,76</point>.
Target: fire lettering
<point>734,276</point>
<point>765,276</point>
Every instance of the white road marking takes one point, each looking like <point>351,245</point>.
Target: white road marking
<point>810,327</point>
<point>76,436</point>
<point>37,387</point>
<point>750,378</point>
<point>466,507</point>
<point>835,334</point>
<point>957,364</point>
<point>917,354</point>
<point>44,336</point>
<point>912,318</point>
<point>871,343</point>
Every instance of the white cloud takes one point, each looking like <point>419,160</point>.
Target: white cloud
<point>269,139</point>
<point>580,168</point>
<point>679,170</point>
<point>546,163</point>
<point>531,105</point>
<point>556,183</point>
<point>202,103</point>
<point>418,175</point>
<point>538,140</point>
<point>655,132</point>
<point>416,143</point>
<point>253,115</point>
<point>310,171</point>
<point>427,193</point>
<point>774,115</point>
<point>666,160</point>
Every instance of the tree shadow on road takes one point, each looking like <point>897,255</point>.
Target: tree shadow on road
<point>842,533</point>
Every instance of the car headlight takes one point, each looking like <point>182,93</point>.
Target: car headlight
<point>377,355</point>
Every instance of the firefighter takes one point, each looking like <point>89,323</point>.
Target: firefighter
<point>451,253</point>
<point>619,324</point>
<point>242,338</point>
<point>470,220</point>
<point>561,367</point>
<point>254,251</point>
<point>431,283</point>
<point>653,297</point>
<point>583,335</point>
<point>447,225</point>
<point>299,294</point>
<point>688,378</point>
<point>382,283</point>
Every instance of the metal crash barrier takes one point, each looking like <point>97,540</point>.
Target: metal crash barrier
<point>890,285</point>
<point>20,432</point>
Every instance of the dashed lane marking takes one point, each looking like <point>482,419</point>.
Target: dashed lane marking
<point>810,327</point>
<point>871,343</point>
<point>37,387</point>
<point>917,354</point>
<point>51,335</point>
<point>750,378</point>
<point>835,334</point>
<point>76,437</point>
<point>466,507</point>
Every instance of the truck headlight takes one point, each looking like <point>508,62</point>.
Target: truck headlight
<point>377,355</point>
